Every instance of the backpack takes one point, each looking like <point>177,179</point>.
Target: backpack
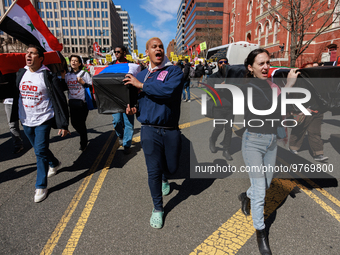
<point>192,72</point>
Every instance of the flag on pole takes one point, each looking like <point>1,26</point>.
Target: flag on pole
<point>24,23</point>
<point>198,49</point>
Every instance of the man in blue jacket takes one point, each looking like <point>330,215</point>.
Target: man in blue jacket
<point>160,87</point>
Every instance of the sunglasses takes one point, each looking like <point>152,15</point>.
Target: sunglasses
<point>223,62</point>
<point>116,51</point>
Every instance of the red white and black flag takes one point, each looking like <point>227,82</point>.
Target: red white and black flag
<point>24,23</point>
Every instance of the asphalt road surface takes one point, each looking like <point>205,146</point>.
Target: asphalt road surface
<point>99,202</point>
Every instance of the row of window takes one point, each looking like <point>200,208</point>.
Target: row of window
<point>72,14</point>
<point>81,32</point>
<point>70,4</point>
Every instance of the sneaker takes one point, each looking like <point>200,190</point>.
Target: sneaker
<point>53,170</point>
<point>320,157</point>
<point>293,151</point>
<point>40,195</point>
<point>120,141</point>
<point>127,150</point>
<point>18,149</point>
<point>189,101</point>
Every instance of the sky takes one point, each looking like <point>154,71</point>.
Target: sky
<point>152,18</point>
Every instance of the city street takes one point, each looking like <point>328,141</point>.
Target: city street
<point>100,203</point>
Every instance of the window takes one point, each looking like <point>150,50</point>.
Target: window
<point>89,32</point>
<point>80,23</point>
<point>95,5</point>
<point>250,10</point>
<point>276,29</point>
<point>81,32</point>
<point>104,14</point>
<point>41,14</point>
<point>62,4</point>
<point>87,4</point>
<point>72,23</point>
<point>259,36</point>
<point>104,5</point>
<point>88,14</point>
<point>63,14</point>
<point>56,15</point>
<point>49,23</point>
<point>57,32</point>
<point>64,23</point>
<point>80,14</point>
<point>89,23</point>
<point>57,24</point>
<point>267,34</point>
<point>79,4</point>
<point>40,5</point>
<point>72,14</point>
<point>48,5</point>
<point>70,4</point>
<point>55,5</point>
<point>96,14</point>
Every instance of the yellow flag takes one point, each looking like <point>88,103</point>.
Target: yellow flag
<point>197,62</point>
<point>129,57</point>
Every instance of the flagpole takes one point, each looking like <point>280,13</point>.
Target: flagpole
<point>3,17</point>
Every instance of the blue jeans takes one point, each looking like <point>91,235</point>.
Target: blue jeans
<point>123,125</point>
<point>162,148</point>
<point>258,150</point>
<point>186,87</point>
<point>39,137</point>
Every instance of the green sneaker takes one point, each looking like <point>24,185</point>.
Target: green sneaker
<point>156,220</point>
<point>165,188</point>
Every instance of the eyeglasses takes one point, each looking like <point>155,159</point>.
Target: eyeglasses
<point>116,51</point>
<point>223,62</point>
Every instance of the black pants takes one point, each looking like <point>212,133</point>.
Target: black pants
<point>228,115</point>
<point>78,114</point>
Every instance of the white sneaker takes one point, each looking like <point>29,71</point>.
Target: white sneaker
<point>40,195</point>
<point>189,101</point>
<point>53,170</point>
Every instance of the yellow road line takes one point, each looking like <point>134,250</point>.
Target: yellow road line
<point>53,240</point>
<point>77,231</point>
<point>326,207</point>
<point>233,234</point>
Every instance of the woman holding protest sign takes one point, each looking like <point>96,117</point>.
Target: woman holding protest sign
<point>77,80</point>
<point>259,142</point>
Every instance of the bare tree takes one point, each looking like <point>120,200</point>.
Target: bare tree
<point>298,18</point>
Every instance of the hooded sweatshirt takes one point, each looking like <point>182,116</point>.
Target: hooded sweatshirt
<point>160,100</point>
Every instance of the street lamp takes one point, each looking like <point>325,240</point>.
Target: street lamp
<point>228,13</point>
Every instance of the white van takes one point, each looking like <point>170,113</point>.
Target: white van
<point>236,52</point>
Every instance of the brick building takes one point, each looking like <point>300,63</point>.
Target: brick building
<point>203,23</point>
<point>171,48</point>
<point>250,21</point>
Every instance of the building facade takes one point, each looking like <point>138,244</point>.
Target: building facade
<point>180,46</point>
<point>203,23</point>
<point>251,21</point>
<point>125,17</point>
<point>134,45</point>
<point>171,48</point>
<point>78,24</point>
